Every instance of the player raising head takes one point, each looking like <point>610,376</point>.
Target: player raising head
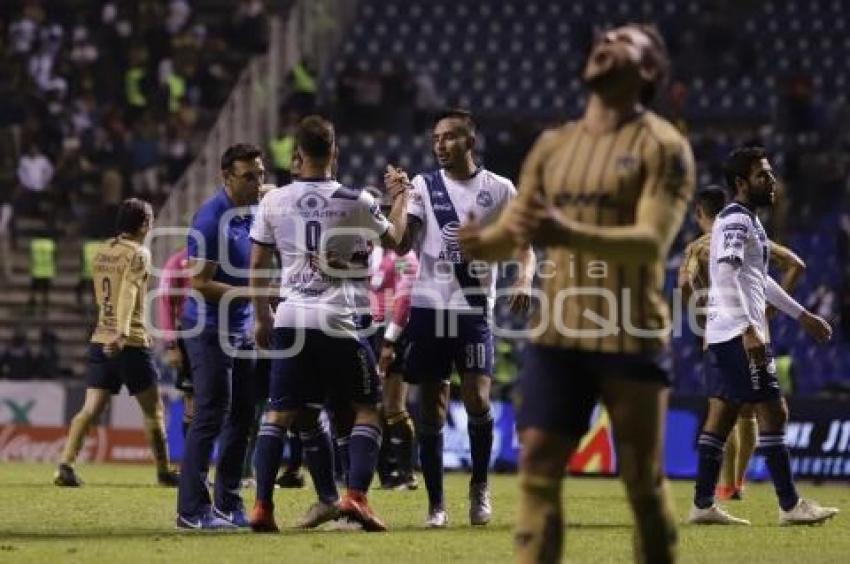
<point>605,195</point>
<point>120,350</point>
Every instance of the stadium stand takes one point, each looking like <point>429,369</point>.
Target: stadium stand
<point>781,82</point>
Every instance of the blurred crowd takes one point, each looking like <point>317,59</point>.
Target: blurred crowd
<point>103,99</point>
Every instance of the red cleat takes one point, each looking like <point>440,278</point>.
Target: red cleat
<point>354,505</point>
<point>262,518</point>
<point>724,493</point>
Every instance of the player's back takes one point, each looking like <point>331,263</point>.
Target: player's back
<point>603,304</point>
<point>119,262</point>
<point>320,229</point>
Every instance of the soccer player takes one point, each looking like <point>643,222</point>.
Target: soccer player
<point>742,368</point>
<point>452,304</point>
<point>218,255</point>
<point>390,284</point>
<point>320,230</point>
<point>119,353</point>
<point>605,195</point>
<point>693,278</point>
<point>173,284</point>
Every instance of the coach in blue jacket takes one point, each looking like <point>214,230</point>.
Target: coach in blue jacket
<point>221,355</point>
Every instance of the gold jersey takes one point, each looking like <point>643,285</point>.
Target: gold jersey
<point>632,183</point>
<point>120,271</point>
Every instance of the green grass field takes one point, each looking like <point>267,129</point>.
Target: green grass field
<point>120,516</point>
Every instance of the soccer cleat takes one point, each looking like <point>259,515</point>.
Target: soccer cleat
<point>205,522</point>
<point>355,506</point>
<point>236,517</point>
<point>737,495</point>
<point>411,482</point>
<point>724,493</point>
<point>714,515</point>
<point>438,518</point>
<point>806,512</point>
<point>291,479</point>
<point>168,479</point>
<point>399,482</point>
<point>343,524</point>
<point>262,518</point>
<point>480,510</point>
<point>318,513</point>
<point>66,477</point>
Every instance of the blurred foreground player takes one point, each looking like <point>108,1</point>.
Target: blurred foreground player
<point>605,195</point>
<point>119,353</point>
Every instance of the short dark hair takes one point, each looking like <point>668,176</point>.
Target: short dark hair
<point>711,200</point>
<point>457,113</point>
<point>660,56</point>
<point>315,137</point>
<point>740,162</point>
<point>132,214</point>
<point>239,152</point>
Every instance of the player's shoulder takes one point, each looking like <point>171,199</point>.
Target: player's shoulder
<point>735,213</point>
<point>490,179</point>
<point>699,246</point>
<point>664,132</point>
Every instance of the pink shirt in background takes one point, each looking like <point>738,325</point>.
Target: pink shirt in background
<point>169,304</point>
<point>389,285</point>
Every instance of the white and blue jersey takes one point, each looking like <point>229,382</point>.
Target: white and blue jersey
<point>442,204</point>
<point>308,219</point>
<point>739,239</point>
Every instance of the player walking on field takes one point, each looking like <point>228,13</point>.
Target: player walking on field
<point>605,195</point>
<point>120,350</point>
<point>742,368</point>
<point>694,279</point>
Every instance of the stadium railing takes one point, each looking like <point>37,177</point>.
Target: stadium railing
<point>311,29</point>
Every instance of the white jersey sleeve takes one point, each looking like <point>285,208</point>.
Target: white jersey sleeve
<point>369,214</point>
<point>734,231</point>
<point>416,203</point>
<point>261,229</point>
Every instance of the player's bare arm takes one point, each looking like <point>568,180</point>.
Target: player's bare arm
<point>261,260</point>
<point>403,229</point>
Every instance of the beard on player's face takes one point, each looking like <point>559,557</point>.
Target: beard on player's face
<point>760,194</point>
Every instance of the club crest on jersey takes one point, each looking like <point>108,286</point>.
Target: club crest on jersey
<point>625,163</point>
<point>484,199</point>
<point>311,202</point>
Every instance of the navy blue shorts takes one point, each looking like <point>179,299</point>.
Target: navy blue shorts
<point>327,370</point>
<point>436,347</point>
<point>558,388</point>
<point>730,377</point>
<point>132,367</point>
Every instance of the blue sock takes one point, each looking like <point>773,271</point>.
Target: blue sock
<point>480,428</point>
<point>772,447</point>
<point>431,458</point>
<point>364,445</point>
<point>710,451</point>
<point>318,454</point>
<point>267,459</point>
<point>343,459</point>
